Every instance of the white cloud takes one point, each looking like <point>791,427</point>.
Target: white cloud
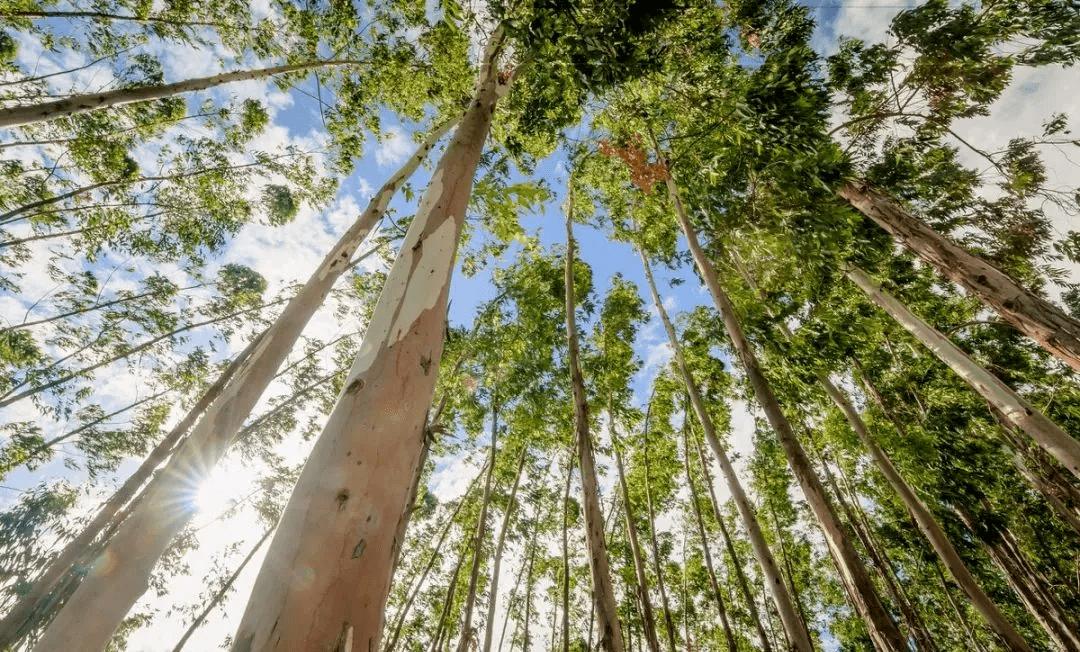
<point>394,147</point>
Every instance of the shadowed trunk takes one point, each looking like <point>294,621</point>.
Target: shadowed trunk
<point>793,623</point>
<point>1043,606</point>
<point>1016,410</point>
<point>883,631</point>
<point>611,639</point>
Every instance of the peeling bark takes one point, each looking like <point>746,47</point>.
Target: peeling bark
<point>1032,315</point>
<point>331,560</point>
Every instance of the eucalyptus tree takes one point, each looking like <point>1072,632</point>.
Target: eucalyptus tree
<point>213,433</point>
<point>924,518</point>
<point>611,370</point>
<point>611,637</point>
<point>903,84</point>
<point>407,324</point>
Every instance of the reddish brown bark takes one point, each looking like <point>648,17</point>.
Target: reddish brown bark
<point>328,570</point>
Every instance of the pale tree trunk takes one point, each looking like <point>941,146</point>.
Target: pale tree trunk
<point>1043,606</point>
<point>105,596</point>
<point>1047,480</point>
<point>729,635</point>
<point>786,558</point>
<point>451,590</point>
<point>565,562</point>
<point>1016,410</point>
<point>669,625</point>
<point>883,631</point>
<point>880,555</point>
<point>648,618</point>
<point>466,634</point>
<point>736,563</point>
<point>958,611</point>
<point>1030,314</point>
<point>19,620</point>
<point>528,593</point>
<point>434,557</point>
<point>222,592</point>
<point>23,115</point>
<point>927,523</point>
<point>794,626</point>
<point>907,613</point>
<point>493,601</point>
<point>884,464</point>
<point>611,639</point>
<point>349,505</point>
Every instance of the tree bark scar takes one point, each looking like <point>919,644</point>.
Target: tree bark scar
<point>355,386</point>
<point>345,640</point>
<point>425,363</point>
<point>342,498</point>
<point>359,548</point>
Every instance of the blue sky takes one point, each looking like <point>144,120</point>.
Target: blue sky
<point>287,254</point>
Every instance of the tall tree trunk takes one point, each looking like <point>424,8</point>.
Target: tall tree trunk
<point>1017,411</point>
<point>786,558</point>
<point>794,625</point>
<point>611,639</point>
<point>729,635</point>
<point>736,563</point>
<point>18,620</point>
<point>528,594</point>
<point>221,593</point>
<point>1030,314</point>
<point>1043,607</point>
<point>924,518</point>
<point>103,599</point>
<point>480,535</point>
<point>883,631</point>
<point>493,601</point>
<point>669,625</point>
<point>648,618</point>
<point>879,554</point>
<point>1045,478</point>
<point>565,559</point>
<point>434,557</point>
<point>958,611</point>
<point>907,613</point>
<point>349,505</point>
<point>448,603</point>
<point>23,115</point>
